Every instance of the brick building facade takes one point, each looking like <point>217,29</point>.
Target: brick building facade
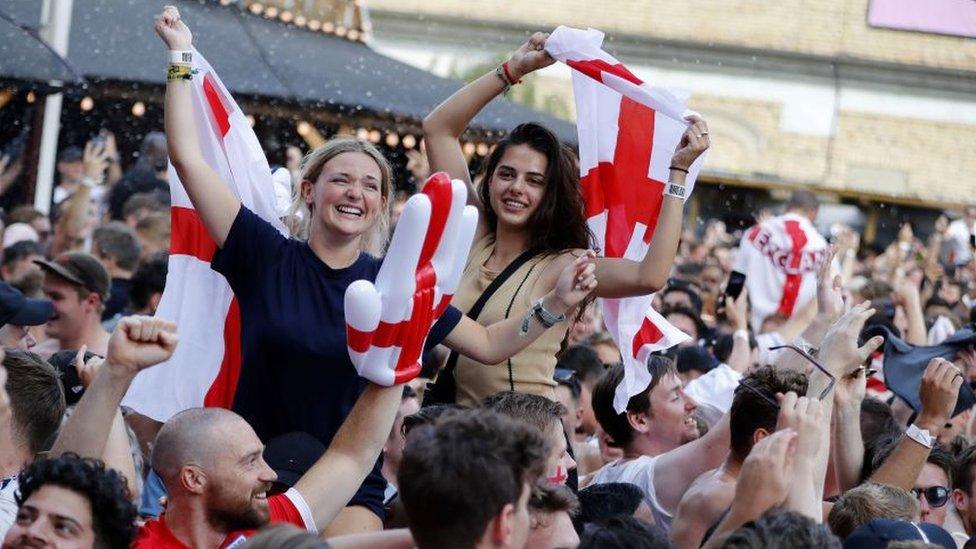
<point>797,93</point>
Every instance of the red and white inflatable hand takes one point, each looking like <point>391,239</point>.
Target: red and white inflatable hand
<point>387,322</point>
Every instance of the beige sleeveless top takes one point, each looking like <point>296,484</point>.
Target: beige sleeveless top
<point>531,370</point>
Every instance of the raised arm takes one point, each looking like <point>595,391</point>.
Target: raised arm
<point>907,295</point>
<point>329,485</point>
<point>740,358</point>
<point>677,469</point>
<point>443,127</point>
<point>847,443</point>
<point>938,393</point>
<point>504,339</point>
<point>763,483</point>
<point>805,416</point>
<point>118,453</point>
<point>623,277</point>
<point>211,196</point>
<point>842,357</point>
<point>69,234</point>
<point>826,311</point>
<point>137,343</point>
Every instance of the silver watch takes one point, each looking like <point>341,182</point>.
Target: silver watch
<point>545,317</point>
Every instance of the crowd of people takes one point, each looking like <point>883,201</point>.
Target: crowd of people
<point>823,399</point>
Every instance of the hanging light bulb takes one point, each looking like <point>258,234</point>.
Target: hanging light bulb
<point>374,136</point>
<point>138,108</point>
<point>256,8</point>
<point>392,139</point>
<point>86,104</point>
<point>409,141</point>
<point>468,148</point>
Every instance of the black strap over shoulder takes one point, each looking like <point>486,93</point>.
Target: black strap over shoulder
<point>443,390</point>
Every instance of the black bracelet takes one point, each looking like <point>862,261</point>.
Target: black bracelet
<point>678,169</point>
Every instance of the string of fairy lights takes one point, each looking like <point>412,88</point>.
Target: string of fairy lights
<point>352,16</point>
<point>391,137</point>
<point>347,28</point>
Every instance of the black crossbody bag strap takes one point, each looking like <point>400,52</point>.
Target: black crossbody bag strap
<point>443,390</point>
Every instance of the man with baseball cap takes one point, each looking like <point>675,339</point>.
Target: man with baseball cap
<point>17,313</point>
<point>78,286</point>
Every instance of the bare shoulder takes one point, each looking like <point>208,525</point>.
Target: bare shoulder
<point>711,493</point>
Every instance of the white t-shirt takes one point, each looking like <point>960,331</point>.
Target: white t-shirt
<point>958,236</point>
<point>780,258</point>
<point>8,506</point>
<point>713,391</point>
<point>640,473</point>
<point>763,343</point>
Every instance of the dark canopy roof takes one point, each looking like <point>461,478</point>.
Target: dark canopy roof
<point>114,40</point>
<point>24,56</point>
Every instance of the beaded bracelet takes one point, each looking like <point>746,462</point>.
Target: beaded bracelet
<point>508,75</point>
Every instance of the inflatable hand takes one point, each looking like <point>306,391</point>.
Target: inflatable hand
<point>387,322</point>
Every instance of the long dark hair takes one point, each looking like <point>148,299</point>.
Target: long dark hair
<point>560,221</point>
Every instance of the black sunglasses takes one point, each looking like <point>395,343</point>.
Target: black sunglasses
<point>804,354</point>
<point>567,377</point>
<point>563,374</point>
<point>936,496</point>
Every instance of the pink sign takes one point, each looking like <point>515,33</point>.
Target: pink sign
<point>955,17</point>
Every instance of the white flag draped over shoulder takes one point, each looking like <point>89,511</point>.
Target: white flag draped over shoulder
<point>781,257</point>
<point>206,365</point>
<point>628,131</point>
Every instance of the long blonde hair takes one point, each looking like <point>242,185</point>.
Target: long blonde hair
<point>375,240</point>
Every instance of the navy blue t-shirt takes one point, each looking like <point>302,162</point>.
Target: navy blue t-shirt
<point>296,374</point>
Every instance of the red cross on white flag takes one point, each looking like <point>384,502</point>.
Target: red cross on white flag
<point>627,134</point>
<point>205,367</point>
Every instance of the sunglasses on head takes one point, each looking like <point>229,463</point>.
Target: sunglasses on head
<point>936,496</point>
<point>744,382</point>
<point>816,364</point>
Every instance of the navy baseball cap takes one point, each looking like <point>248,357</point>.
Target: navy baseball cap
<point>880,532</point>
<point>20,311</point>
<point>696,358</point>
<point>292,454</point>
<point>64,363</point>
